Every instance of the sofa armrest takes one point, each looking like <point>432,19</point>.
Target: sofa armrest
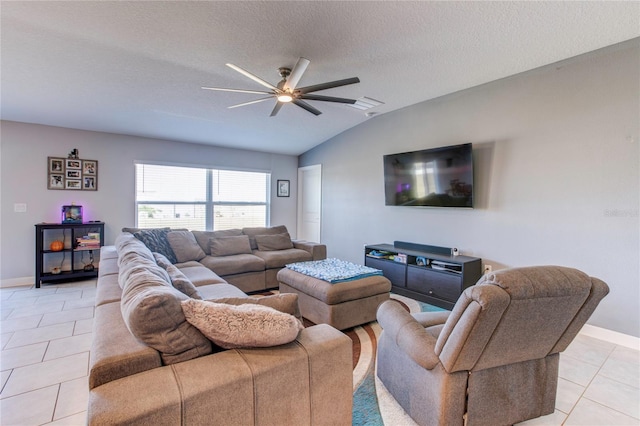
<point>318,251</point>
<point>410,336</point>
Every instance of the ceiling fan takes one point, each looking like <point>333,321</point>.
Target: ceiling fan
<point>286,91</point>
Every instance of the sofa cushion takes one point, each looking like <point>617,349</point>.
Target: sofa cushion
<point>241,326</point>
<point>152,312</point>
<point>284,302</point>
<point>200,275</point>
<point>252,232</point>
<point>185,246</point>
<point>182,283</point>
<point>130,248</point>
<point>156,240</point>
<point>203,237</point>
<point>227,246</point>
<point>236,264</point>
<point>274,242</point>
<point>280,258</point>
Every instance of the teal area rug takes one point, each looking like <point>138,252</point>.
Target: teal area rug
<point>372,405</point>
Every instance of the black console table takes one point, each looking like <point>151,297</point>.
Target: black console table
<point>430,274</point>
<point>72,262</point>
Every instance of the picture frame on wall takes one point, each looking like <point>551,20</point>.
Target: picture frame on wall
<point>72,174</point>
<point>283,188</point>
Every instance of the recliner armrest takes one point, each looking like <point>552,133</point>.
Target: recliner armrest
<point>318,251</point>
<point>408,334</point>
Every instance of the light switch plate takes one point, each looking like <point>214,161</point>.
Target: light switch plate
<point>20,207</point>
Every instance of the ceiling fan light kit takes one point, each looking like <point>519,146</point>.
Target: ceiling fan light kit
<point>286,91</point>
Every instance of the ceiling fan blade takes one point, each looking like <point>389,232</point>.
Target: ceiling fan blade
<point>329,85</point>
<point>253,77</point>
<point>221,89</point>
<point>296,73</point>
<point>304,105</point>
<point>250,102</point>
<point>276,108</point>
<point>327,99</point>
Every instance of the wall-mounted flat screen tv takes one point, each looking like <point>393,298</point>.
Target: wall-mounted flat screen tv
<point>438,177</point>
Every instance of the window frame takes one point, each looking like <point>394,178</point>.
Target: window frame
<point>209,203</point>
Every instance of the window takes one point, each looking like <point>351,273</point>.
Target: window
<point>200,199</point>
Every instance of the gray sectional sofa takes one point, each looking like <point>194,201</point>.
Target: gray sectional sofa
<point>149,365</point>
<point>248,258</point>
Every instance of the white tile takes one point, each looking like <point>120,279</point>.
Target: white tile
<point>31,377</point>
<point>79,419</point>
<point>66,316</point>
<point>87,302</point>
<point>32,293</point>
<point>31,408</point>
<point>23,355</point>
<point>556,418</point>
<point>4,339</point>
<point>35,309</point>
<point>576,371</point>
<point>623,365</point>
<point>4,376</point>
<point>5,312</point>
<point>18,303</point>
<point>590,350</point>
<point>83,326</point>
<point>615,395</point>
<point>89,293</point>
<point>68,346</point>
<point>23,323</point>
<point>73,398</point>
<point>40,334</point>
<point>63,296</point>
<point>589,413</point>
<point>567,395</point>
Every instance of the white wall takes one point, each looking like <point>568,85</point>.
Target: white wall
<point>556,164</point>
<point>24,149</point>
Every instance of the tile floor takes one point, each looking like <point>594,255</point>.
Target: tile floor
<point>46,336</point>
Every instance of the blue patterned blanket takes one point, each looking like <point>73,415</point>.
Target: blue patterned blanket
<point>333,270</point>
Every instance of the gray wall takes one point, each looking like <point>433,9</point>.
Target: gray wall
<point>24,149</point>
<point>556,175</point>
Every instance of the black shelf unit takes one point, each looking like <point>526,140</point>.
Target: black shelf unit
<point>68,232</point>
<point>431,274</point>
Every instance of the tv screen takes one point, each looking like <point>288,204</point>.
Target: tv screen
<point>438,177</point>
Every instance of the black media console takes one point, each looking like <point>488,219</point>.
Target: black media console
<point>422,272</point>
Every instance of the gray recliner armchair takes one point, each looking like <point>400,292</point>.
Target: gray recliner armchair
<point>492,360</point>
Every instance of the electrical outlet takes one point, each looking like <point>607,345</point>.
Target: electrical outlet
<point>487,269</point>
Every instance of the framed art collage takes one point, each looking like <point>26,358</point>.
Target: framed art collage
<point>72,174</point>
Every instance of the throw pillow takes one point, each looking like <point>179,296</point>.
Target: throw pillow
<point>182,283</point>
<point>227,246</point>
<point>162,260</point>
<point>156,240</point>
<point>283,302</point>
<point>152,312</point>
<point>252,232</point>
<point>274,242</point>
<point>185,246</point>
<point>244,326</point>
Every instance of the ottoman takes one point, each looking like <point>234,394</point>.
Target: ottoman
<point>342,305</point>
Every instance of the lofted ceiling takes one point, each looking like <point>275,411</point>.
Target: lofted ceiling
<point>137,67</point>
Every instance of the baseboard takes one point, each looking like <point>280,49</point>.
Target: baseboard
<point>611,336</point>
<point>17,282</point>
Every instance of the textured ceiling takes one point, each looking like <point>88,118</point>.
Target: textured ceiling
<point>137,67</point>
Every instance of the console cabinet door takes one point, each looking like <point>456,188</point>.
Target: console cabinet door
<point>434,283</point>
<point>393,271</point>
